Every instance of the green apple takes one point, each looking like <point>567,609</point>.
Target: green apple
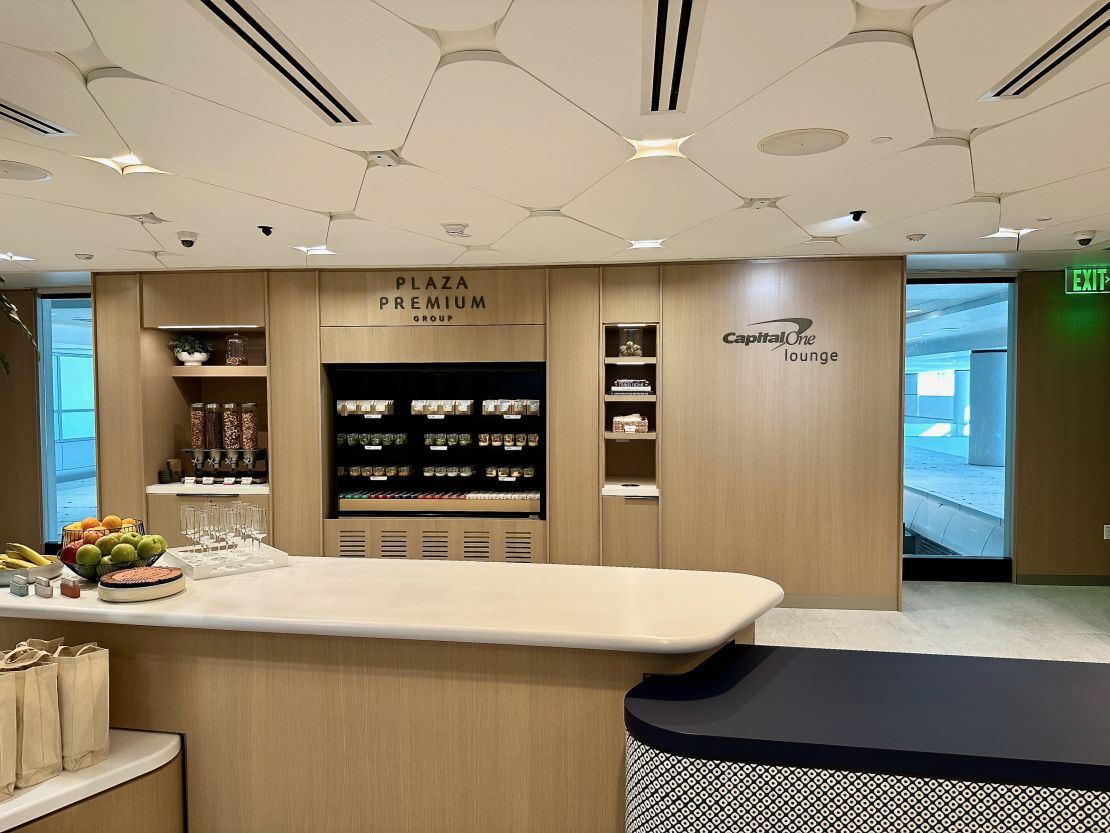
<point>148,548</point>
<point>162,545</point>
<point>123,553</point>
<point>132,538</point>
<point>107,542</point>
<point>88,556</point>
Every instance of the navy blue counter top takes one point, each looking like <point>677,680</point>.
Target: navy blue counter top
<point>1002,721</point>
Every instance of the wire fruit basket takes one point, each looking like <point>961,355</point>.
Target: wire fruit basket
<point>74,536</point>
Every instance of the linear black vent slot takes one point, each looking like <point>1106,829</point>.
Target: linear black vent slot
<point>36,124</point>
<point>660,49</point>
<point>282,58</point>
<point>1087,30</point>
<point>680,52</point>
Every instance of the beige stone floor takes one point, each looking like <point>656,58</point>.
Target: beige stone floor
<point>975,619</point>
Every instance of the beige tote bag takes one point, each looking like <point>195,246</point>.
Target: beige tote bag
<point>38,743</point>
<point>7,736</point>
<point>83,704</point>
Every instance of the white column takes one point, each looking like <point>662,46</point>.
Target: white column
<point>960,400</point>
<point>987,446</point>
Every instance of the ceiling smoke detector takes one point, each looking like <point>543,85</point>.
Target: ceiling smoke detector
<point>384,158</point>
<point>456,229</point>
<point>805,142</point>
<point>22,172</point>
<point>762,202</point>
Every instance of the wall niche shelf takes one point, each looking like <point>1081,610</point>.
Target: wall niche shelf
<point>220,371</point>
<point>628,435</point>
<point>630,398</point>
<point>630,360</point>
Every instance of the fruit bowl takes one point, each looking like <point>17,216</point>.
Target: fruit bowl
<point>73,536</point>
<point>94,572</point>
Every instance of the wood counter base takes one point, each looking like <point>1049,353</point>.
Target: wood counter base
<point>290,733</point>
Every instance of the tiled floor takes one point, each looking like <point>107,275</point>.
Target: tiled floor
<point>979,487</point>
<point>976,619</point>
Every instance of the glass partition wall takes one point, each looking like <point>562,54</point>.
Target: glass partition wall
<point>67,423</point>
<point>956,424</point>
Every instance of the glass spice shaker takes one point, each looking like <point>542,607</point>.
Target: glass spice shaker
<point>236,350</point>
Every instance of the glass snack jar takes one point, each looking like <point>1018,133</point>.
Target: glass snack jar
<point>631,341</point>
<point>236,350</point>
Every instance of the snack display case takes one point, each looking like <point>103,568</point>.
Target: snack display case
<point>438,439</point>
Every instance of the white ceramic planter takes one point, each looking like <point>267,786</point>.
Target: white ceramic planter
<point>192,359</point>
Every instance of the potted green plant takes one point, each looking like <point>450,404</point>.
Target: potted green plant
<point>190,350</point>
<point>12,314</point>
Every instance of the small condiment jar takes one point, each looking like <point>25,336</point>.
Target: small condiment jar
<point>70,587</point>
<point>18,586</point>
<point>43,588</point>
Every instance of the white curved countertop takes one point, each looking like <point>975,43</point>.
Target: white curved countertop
<point>552,605</point>
<point>130,754</point>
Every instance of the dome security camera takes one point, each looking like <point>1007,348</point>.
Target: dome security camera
<point>188,238</point>
<point>266,230</point>
<point>1084,238</point>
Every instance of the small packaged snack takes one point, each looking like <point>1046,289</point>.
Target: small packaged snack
<point>404,471</point>
<point>390,471</point>
<point>503,471</point>
<point>521,439</point>
<point>504,406</point>
<point>400,439</point>
<point>491,471</point>
<point>429,439</point>
<point>342,470</point>
<point>441,439</point>
<point>350,406</point>
<point>447,406</point>
<point>464,439</point>
<point>464,407</point>
<point>379,471</point>
<point>452,471</point>
<point>352,439</point>
<point>519,406</point>
<point>365,406</point>
<point>383,406</point>
<point>466,471</point>
<point>495,439</point>
<point>489,407</point>
<point>355,471</point>
<point>533,439</point>
<point>533,407</point>
<point>529,471</point>
<point>419,407</point>
<point>429,471</point>
<point>387,439</point>
<point>441,471</point>
<point>452,439</point>
<point>370,439</point>
<point>483,439</point>
<point>517,471</point>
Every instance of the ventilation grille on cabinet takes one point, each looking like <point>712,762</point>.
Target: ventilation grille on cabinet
<point>477,545</point>
<point>29,121</point>
<point>435,543</point>
<point>518,546</point>
<point>352,543</point>
<point>393,543</point>
<point>248,27</point>
<point>1078,37</point>
<point>672,30</point>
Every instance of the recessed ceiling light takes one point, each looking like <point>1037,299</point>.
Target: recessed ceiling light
<point>805,142</point>
<point>656,147</point>
<point>1009,232</point>
<point>1039,219</point>
<point>647,244</point>
<point>880,140</point>
<point>127,163</point>
<point>22,172</point>
<point>315,250</point>
<point>820,240</point>
<point>9,256</point>
<point>83,256</point>
<point>915,237</point>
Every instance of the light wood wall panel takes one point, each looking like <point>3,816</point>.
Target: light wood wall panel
<point>296,431</point>
<point>21,483</point>
<point>630,536</point>
<point>788,471</point>
<point>402,298</point>
<point>573,418</point>
<point>215,298</point>
<point>151,803</point>
<point>120,430</point>
<point>511,343</point>
<point>630,293</point>
<point>1061,497</point>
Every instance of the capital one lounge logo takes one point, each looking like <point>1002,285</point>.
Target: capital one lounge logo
<point>795,333</point>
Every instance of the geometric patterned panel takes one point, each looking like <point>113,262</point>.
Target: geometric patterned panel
<point>671,794</point>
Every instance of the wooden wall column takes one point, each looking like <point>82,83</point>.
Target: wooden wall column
<point>21,485</point>
<point>574,473</point>
<point>296,433</point>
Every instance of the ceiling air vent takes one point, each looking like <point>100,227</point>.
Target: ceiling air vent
<point>29,121</point>
<point>672,30</point>
<point>247,26</point>
<point>1078,37</point>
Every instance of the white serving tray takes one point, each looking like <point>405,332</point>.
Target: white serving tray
<point>197,564</point>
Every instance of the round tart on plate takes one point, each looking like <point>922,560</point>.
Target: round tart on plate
<point>141,584</point>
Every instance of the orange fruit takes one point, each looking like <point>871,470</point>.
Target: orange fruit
<point>110,522</point>
<point>73,527</point>
<point>91,536</point>
<point>89,523</point>
<point>130,522</point>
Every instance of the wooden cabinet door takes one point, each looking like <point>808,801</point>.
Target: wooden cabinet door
<point>630,531</point>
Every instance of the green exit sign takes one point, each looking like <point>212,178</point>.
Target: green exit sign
<point>1087,280</point>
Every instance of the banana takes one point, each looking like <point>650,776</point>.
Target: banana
<point>18,564</point>
<point>27,554</point>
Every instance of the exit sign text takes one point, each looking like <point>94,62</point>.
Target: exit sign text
<point>1086,280</point>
